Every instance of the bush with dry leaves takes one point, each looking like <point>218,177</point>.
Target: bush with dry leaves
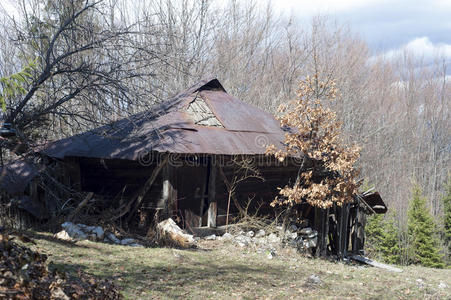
<point>314,133</point>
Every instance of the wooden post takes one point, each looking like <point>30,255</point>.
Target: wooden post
<point>321,226</point>
<point>169,193</point>
<point>212,204</point>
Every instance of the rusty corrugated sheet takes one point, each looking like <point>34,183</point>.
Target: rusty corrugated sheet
<point>169,128</point>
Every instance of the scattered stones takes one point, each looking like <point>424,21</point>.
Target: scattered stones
<point>74,231</point>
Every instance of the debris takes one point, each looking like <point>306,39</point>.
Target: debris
<point>74,231</point>
<point>25,275</point>
<point>210,237</point>
<point>112,238</point>
<point>373,263</point>
<point>173,235</point>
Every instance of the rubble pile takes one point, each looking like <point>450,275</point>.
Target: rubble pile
<point>24,274</point>
<point>304,240</point>
<point>72,232</point>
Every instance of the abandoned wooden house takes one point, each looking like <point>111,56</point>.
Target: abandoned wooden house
<point>198,158</point>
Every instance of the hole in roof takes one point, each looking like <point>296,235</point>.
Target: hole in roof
<point>202,114</point>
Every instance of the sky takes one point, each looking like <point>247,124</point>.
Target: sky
<point>421,26</point>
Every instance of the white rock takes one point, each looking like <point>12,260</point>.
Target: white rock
<point>63,235</point>
<point>260,233</point>
<point>250,233</point>
<point>442,285</point>
<point>210,237</point>
<point>127,241</point>
<point>269,256</point>
<point>227,237</point>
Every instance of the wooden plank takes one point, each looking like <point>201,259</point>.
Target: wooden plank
<point>374,263</point>
<point>168,200</point>
<point>139,195</point>
<point>213,205</point>
<point>80,206</point>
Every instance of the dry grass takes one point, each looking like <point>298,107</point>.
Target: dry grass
<point>221,270</point>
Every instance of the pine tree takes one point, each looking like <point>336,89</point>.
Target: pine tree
<point>447,219</point>
<point>423,247</point>
<point>383,238</point>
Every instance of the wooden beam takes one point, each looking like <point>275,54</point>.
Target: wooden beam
<point>212,204</point>
<point>168,200</point>
<point>139,195</point>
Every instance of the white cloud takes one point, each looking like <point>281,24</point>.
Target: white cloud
<point>422,47</point>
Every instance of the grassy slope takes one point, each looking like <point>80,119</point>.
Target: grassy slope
<point>221,270</point>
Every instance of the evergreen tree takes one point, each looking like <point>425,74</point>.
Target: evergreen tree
<point>383,238</point>
<point>423,247</point>
<point>447,219</point>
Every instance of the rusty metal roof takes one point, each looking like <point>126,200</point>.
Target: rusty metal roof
<point>15,175</point>
<point>169,127</point>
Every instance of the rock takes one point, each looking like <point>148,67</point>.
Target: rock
<point>250,233</point>
<point>113,238</point>
<point>269,255</point>
<point>314,279</point>
<point>243,239</point>
<point>260,233</point>
<point>171,233</point>
<point>127,241</point>
<point>294,228</point>
<point>227,237</point>
<point>98,231</point>
<point>442,285</point>
<point>241,244</point>
<point>291,235</point>
<point>74,231</point>
<point>210,237</point>
<point>63,235</point>
<point>306,231</point>
<point>273,238</point>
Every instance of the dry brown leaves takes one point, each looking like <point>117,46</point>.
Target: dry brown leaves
<point>24,274</point>
<point>316,134</point>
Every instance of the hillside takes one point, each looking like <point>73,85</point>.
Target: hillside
<point>223,270</point>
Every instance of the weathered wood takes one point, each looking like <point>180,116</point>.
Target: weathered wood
<point>213,205</point>
<point>80,206</point>
<point>168,201</point>
<point>139,195</point>
<point>373,263</point>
